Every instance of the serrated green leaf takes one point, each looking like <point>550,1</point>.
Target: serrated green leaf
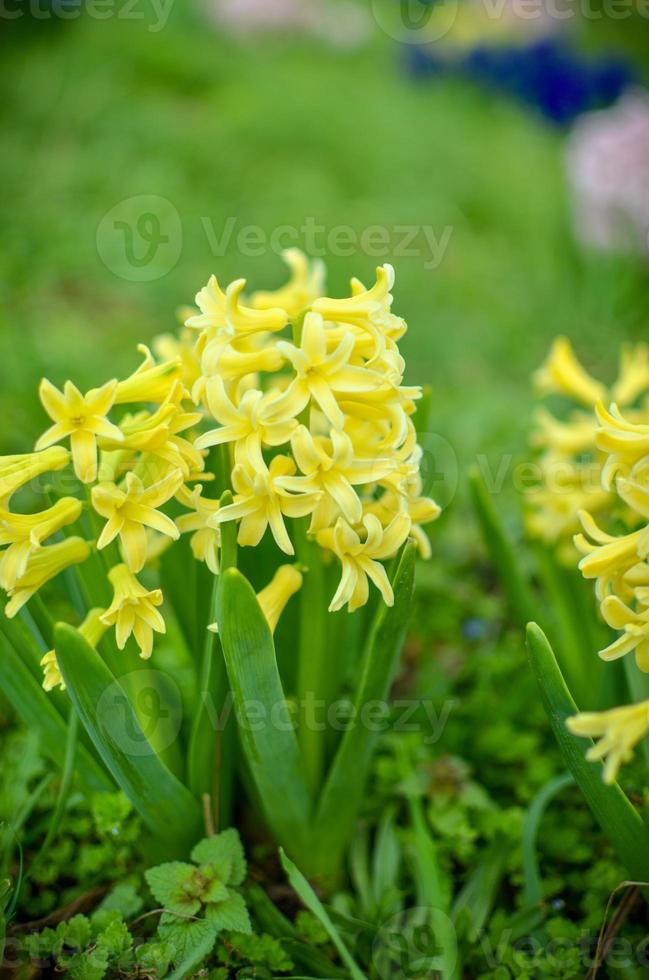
<point>92,965</point>
<point>231,914</point>
<point>215,891</point>
<point>270,748</point>
<point>174,885</point>
<point>123,898</point>
<point>223,847</point>
<point>170,811</point>
<point>616,816</point>
<point>188,938</point>
<point>115,938</point>
<point>345,784</point>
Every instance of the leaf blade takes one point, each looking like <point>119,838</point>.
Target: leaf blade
<point>166,806</point>
<point>343,789</point>
<point>270,745</point>
<point>37,711</point>
<point>616,816</point>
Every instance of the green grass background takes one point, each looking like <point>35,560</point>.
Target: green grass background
<point>270,133</point>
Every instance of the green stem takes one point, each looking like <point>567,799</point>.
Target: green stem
<point>312,674</point>
<point>42,619</point>
<point>210,767</point>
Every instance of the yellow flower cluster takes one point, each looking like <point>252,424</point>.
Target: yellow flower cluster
<point>619,565</point>
<point>307,394</point>
<point>570,462</point>
<point>304,393</point>
<point>124,471</point>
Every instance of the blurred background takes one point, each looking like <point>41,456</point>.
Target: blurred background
<point>149,143</point>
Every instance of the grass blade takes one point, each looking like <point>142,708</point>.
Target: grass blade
<point>344,787</point>
<point>616,816</point>
<point>268,740</point>
<point>314,905</point>
<point>34,706</point>
<point>532,889</point>
<point>502,551</point>
<point>477,897</point>
<point>166,806</point>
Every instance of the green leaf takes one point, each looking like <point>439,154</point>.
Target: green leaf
<point>532,889</point>
<point>92,965</point>
<point>313,903</point>
<point>170,811</point>
<point>115,938</point>
<point>215,891</point>
<point>173,885</point>
<point>225,846</point>
<point>231,914</point>
<point>433,892</point>
<point>345,785</point>
<point>39,714</point>
<point>123,898</point>
<point>616,816</point>
<point>477,897</point>
<point>192,940</point>
<point>267,739</point>
<point>502,551</point>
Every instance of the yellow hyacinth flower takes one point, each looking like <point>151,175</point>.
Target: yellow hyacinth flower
<point>151,382</point>
<point>360,557</point>
<point>169,347</point>
<point>130,510</point>
<point>619,616</point>
<point>206,535</point>
<point>222,312</point>
<point>92,629</point>
<point>321,375</point>
<point>42,566</point>
<point>633,375</point>
<point>619,730</point>
<point>304,286</point>
<point>332,399</point>
<point>82,418</point>
<point>133,610</point>
<point>563,374</point>
<point>626,443</point>
<point>273,599</point>
<point>333,469</point>
<point>606,558</point>
<point>367,309</point>
<point>261,501</point>
<point>18,471</point>
<point>227,360</point>
<point>250,424</point>
<point>25,533</point>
